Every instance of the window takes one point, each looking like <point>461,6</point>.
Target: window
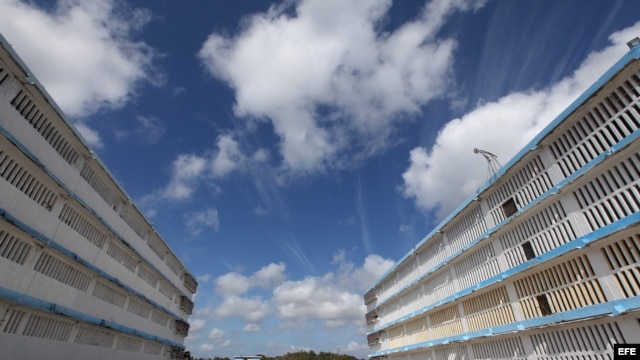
<point>543,304</point>
<point>528,250</point>
<point>509,207</point>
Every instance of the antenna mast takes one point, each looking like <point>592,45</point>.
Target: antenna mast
<point>492,162</point>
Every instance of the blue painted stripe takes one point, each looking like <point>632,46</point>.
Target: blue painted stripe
<point>31,79</point>
<point>72,195</point>
<point>73,256</point>
<point>633,54</point>
<point>627,222</point>
<point>50,307</point>
<point>624,143</point>
<point>611,308</point>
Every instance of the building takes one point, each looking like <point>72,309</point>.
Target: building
<point>543,262</point>
<point>83,274</point>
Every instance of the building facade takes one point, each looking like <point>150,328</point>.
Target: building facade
<point>83,274</point>
<point>543,262</point>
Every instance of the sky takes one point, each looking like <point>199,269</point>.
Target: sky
<point>291,152</point>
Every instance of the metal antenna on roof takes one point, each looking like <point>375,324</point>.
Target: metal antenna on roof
<point>492,162</point>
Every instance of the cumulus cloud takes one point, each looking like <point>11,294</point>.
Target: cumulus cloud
<point>234,283</point>
<point>318,298</point>
<point>83,52</point>
<point>186,169</point>
<point>203,279</point>
<point>189,170</point>
<point>270,275</point>
<point>354,347</point>
<point>329,79</point>
<point>90,135</point>
<point>206,347</point>
<point>228,158</point>
<point>442,176</point>
<point>252,310</point>
<point>196,325</point>
<point>335,298</point>
<point>360,278</point>
<point>251,328</point>
<point>374,266</point>
<point>216,334</point>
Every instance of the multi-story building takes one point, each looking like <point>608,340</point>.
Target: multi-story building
<point>543,261</point>
<point>83,273</point>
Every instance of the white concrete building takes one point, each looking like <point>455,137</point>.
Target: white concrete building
<point>83,274</point>
<point>543,262</point>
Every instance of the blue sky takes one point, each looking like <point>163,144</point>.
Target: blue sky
<point>291,152</point>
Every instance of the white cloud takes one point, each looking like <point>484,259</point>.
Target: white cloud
<point>267,277</point>
<point>444,175</point>
<point>270,275</point>
<point>196,325</point>
<point>334,299</point>
<point>216,334</point>
<point>232,284</point>
<point>339,257</point>
<point>251,328</point>
<point>82,51</point>
<point>206,347</point>
<point>205,311</point>
<point>317,298</point>
<point>360,278</point>
<point>90,136</point>
<point>203,279</point>
<point>228,158</point>
<point>225,343</point>
<point>374,266</point>
<point>186,169</point>
<point>354,347</point>
<point>252,310</point>
<point>197,221</point>
<point>329,80</point>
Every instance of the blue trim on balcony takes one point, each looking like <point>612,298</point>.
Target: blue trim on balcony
<point>73,256</point>
<point>72,195</point>
<point>611,308</point>
<point>579,243</point>
<point>50,307</point>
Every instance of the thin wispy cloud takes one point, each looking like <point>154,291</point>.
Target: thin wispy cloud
<point>292,248</point>
<point>150,129</point>
<point>200,220</point>
<point>362,214</point>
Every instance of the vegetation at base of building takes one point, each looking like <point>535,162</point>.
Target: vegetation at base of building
<point>300,355</point>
